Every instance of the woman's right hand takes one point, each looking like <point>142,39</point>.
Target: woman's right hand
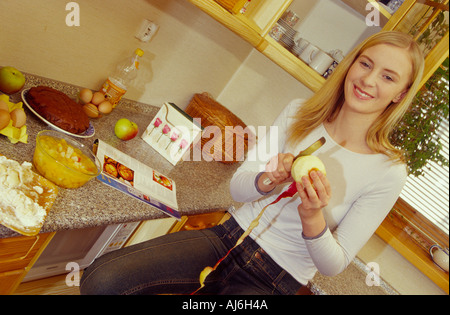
<point>278,170</point>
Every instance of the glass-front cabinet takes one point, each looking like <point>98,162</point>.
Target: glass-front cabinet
<point>255,21</point>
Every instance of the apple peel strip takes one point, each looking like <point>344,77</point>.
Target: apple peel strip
<point>290,192</point>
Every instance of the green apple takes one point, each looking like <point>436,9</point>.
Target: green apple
<point>125,129</point>
<point>11,80</point>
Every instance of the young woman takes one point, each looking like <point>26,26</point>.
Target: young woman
<point>323,226</point>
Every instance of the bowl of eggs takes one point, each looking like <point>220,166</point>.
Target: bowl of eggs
<point>95,105</point>
<point>64,161</point>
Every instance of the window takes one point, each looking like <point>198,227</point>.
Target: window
<point>429,193</point>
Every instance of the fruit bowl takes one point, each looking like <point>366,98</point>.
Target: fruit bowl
<point>64,161</point>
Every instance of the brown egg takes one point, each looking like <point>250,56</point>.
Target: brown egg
<point>91,110</point>
<point>97,98</point>
<point>4,118</point>
<point>4,105</point>
<point>18,117</point>
<point>105,107</point>
<point>86,96</point>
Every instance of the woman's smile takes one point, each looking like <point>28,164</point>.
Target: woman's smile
<point>361,94</point>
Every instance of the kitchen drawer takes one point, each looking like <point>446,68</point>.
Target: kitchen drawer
<point>10,280</point>
<point>17,252</point>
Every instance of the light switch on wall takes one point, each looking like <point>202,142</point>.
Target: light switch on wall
<point>146,31</point>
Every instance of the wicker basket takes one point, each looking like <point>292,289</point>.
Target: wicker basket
<point>234,6</point>
<point>233,143</point>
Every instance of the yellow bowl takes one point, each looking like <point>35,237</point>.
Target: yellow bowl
<point>64,161</point>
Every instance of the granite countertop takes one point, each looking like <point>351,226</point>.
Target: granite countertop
<point>202,187</point>
<point>355,280</point>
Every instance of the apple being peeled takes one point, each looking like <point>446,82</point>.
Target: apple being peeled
<point>11,80</point>
<point>125,129</point>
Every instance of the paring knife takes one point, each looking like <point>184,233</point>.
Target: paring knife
<point>308,151</point>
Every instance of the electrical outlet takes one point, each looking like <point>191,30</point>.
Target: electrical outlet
<point>146,31</point>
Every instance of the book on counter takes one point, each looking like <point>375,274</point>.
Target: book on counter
<point>136,179</point>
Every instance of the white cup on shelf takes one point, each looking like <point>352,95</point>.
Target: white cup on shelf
<point>321,62</point>
<point>308,53</point>
<point>300,45</point>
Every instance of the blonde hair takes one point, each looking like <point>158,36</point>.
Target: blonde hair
<point>327,102</point>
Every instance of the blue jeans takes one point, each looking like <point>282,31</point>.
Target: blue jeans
<point>171,264</point>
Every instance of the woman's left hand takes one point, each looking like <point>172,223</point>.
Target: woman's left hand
<point>314,197</point>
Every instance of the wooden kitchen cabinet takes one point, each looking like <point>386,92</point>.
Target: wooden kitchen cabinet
<point>200,221</point>
<point>17,256</point>
<point>260,16</point>
<point>254,26</point>
<point>10,280</point>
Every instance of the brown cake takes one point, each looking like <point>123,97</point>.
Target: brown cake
<point>58,109</point>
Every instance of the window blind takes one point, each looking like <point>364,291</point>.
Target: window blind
<point>429,193</point>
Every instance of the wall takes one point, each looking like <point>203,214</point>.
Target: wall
<point>260,106</point>
<point>190,53</point>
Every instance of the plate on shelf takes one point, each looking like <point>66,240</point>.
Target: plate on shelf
<point>87,134</point>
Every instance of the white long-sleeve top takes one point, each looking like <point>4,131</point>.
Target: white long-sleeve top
<point>364,189</point>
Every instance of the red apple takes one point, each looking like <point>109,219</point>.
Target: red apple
<point>11,80</point>
<point>125,129</point>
